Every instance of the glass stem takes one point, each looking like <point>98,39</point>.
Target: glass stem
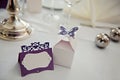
<point>23,7</point>
<point>52,8</point>
<point>22,4</point>
<point>69,14</point>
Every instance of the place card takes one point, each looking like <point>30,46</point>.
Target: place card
<point>35,58</point>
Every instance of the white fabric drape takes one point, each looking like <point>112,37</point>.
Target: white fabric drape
<point>102,13</point>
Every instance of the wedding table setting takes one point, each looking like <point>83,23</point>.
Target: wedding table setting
<point>59,40</point>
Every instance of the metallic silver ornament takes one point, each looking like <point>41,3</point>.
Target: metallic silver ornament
<point>102,40</point>
<point>115,34</point>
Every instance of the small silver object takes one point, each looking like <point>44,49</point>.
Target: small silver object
<point>115,34</point>
<point>102,40</point>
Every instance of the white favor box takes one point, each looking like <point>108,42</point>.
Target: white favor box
<point>34,5</point>
<point>63,54</point>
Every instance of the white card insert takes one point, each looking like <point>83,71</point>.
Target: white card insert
<point>32,61</point>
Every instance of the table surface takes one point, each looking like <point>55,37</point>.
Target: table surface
<point>90,62</point>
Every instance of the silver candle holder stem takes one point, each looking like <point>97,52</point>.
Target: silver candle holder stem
<point>14,28</point>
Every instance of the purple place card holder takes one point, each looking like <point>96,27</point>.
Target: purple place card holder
<point>25,71</point>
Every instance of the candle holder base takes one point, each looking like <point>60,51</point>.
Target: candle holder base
<point>14,30</point>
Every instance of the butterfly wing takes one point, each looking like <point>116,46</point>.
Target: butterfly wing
<point>72,31</point>
<point>62,30</point>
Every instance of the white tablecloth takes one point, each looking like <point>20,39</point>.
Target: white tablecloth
<point>90,62</point>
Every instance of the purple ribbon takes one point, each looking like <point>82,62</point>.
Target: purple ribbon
<point>71,33</point>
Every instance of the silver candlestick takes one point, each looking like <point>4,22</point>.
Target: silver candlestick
<point>14,28</point>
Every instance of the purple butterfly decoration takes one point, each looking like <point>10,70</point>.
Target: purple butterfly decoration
<point>71,33</point>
